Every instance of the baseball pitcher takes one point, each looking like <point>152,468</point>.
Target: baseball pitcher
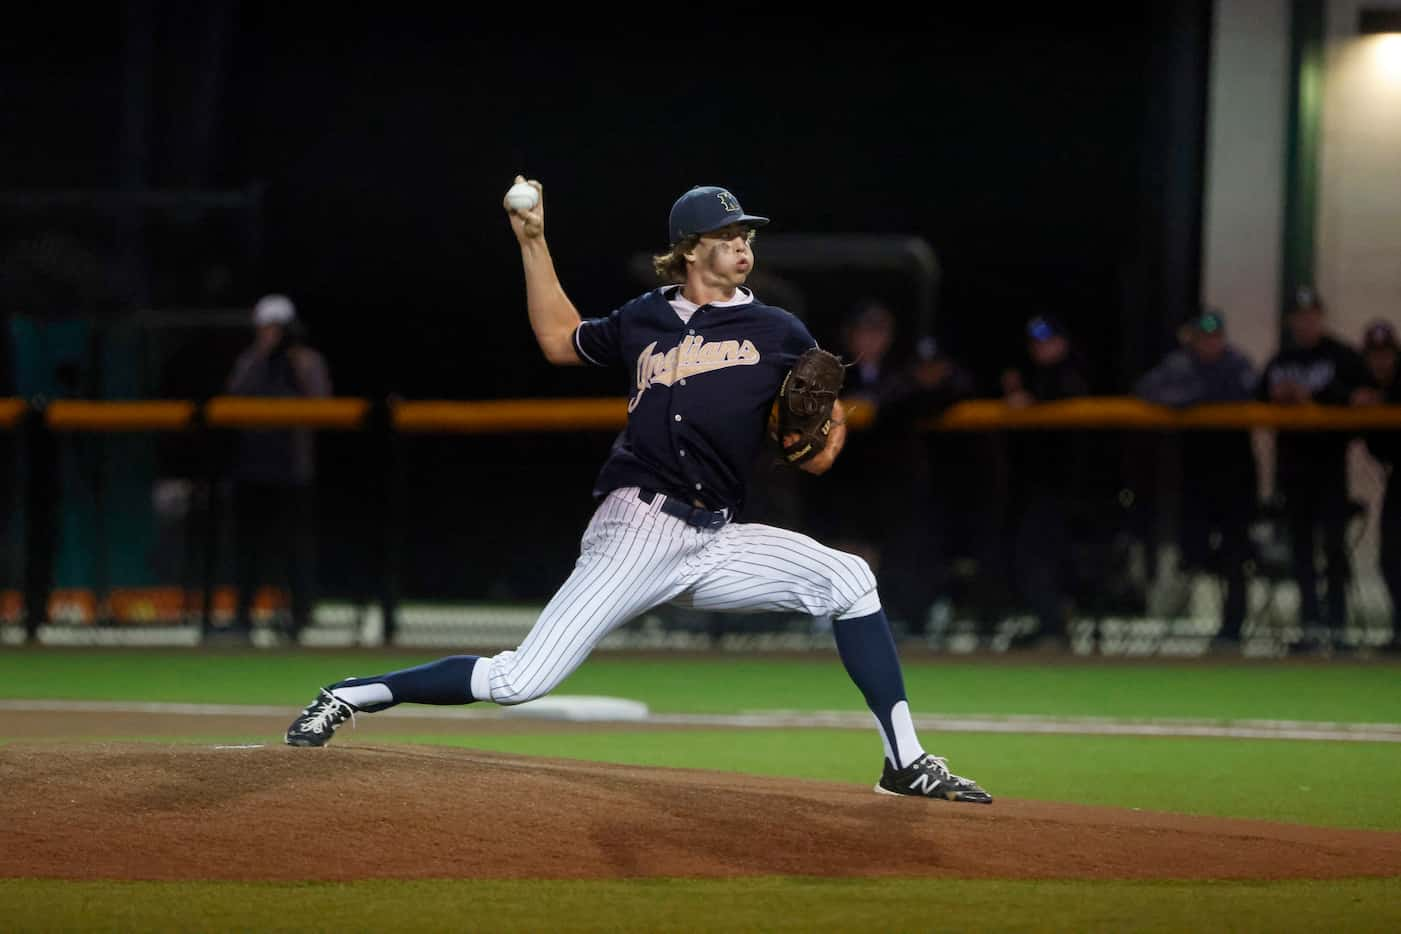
<point>715,376</point>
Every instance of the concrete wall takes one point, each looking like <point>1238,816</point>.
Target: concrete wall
<point>1243,217</point>
<point>1358,248</point>
<point>1358,256</point>
<point>1359,222</point>
<point>1247,120</point>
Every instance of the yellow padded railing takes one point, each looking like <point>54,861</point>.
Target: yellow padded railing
<point>973,415</point>
<point>250,412</point>
<point>1128,412</point>
<point>11,410</point>
<point>78,415</point>
<point>511,415</point>
<point>610,413</point>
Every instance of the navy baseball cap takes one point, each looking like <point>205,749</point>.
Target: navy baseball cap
<point>707,208</point>
<point>1380,334</point>
<point>1044,327</point>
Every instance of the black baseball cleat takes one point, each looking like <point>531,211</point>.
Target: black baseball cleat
<point>929,777</point>
<point>317,722</point>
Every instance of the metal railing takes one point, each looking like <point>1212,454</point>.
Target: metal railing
<point>387,422</point>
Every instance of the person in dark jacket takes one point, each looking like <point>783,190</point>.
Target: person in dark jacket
<point>1381,351</point>
<point>880,498</point>
<point>1220,490</point>
<point>1311,467</point>
<point>274,470</point>
<point>1046,470</point>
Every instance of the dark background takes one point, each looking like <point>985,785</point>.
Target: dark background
<point>1052,160</point>
<point>1034,154</point>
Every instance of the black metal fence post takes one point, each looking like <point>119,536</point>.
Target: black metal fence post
<point>40,515</point>
<point>390,446</point>
<point>205,440</point>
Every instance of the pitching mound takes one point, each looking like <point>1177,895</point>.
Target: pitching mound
<point>355,812</point>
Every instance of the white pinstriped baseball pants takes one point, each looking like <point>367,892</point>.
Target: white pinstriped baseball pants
<point>635,557</point>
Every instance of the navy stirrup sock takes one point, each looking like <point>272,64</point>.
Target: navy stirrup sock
<point>445,681</point>
<point>867,650</point>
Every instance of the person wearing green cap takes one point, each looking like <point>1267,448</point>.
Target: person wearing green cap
<point>1219,489</point>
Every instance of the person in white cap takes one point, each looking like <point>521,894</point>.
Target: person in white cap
<point>274,471</point>
<point>273,310</point>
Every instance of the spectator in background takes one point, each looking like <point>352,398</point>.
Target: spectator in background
<point>855,501</point>
<point>1045,469</point>
<point>1311,467</point>
<point>1380,351</point>
<point>274,470</point>
<point>1219,491</point>
<point>880,492</point>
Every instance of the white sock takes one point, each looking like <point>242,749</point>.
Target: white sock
<point>365,695</point>
<point>905,739</point>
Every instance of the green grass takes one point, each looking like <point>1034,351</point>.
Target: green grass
<point>1329,784</point>
<point>1256,690</point>
<point>691,905</point>
<point>1338,784</point>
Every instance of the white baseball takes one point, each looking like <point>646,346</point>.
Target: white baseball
<point>522,197</point>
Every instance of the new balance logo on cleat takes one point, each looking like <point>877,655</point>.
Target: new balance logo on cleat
<point>317,722</point>
<point>929,777</point>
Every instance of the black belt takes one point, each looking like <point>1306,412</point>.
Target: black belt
<point>691,515</point>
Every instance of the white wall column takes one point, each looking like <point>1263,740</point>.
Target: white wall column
<point>1358,252</point>
<point>1244,214</point>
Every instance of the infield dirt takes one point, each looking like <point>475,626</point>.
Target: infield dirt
<point>345,812</point>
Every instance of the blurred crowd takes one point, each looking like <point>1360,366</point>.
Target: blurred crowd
<point>1051,555</point>
<point>1032,525</point>
<point>994,525</point>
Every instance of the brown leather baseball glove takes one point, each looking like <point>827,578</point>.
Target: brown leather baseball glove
<point>804,405</point>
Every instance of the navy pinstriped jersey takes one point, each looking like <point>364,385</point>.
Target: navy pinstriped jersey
<point>700,392</point>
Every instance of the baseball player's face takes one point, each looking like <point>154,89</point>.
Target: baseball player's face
<point>871,340</point>
<point>1382,362</point>
<point>268,336</point>
<point>1306,326</point>
<point>1050,351</point>
<point>1209,347</point>
<point>724,257</point>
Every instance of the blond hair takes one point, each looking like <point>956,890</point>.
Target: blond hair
<point>671,266</point>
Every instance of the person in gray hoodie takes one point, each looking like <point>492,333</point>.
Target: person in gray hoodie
<point>1220,490</point>
<point>274,471</point>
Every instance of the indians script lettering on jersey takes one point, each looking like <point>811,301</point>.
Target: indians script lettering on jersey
<point>701,381</point>
<point>693,356</point>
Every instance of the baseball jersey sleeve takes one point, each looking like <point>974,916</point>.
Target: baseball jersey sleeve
<point>599,341</point>
<point>798,340</point>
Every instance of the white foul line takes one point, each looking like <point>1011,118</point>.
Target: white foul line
<point>791,719</point>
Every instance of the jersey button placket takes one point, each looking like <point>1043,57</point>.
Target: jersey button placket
<point>681,451</point>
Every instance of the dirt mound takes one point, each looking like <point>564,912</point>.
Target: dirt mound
<point>354,812</point>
